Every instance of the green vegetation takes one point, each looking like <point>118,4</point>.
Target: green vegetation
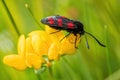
<point>100,17</point>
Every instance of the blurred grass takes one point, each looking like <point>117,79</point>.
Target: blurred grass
<point>100,18</point>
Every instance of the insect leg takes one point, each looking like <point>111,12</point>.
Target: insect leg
<point>55,32</point>
<point>76,41</point>
<point>65,36</point>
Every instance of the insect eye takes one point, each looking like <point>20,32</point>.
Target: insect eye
<point>47,20</point>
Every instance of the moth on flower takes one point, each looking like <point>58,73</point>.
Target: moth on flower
<point>31,50</point>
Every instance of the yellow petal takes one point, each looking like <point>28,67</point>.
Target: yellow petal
<point>33,60</point>
<point>15,61</point>
<point>39,33</point>
<point>40,46</point>
<point>53,52</point>
<point>49,30</point>
<point>29,48</point>
<point>21,45</point>
<point>40,42</point>
<point>55,35</point>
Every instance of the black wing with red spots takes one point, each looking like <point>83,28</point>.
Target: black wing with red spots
<point>60,22</point>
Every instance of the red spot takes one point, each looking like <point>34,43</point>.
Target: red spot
<point>51,20</point>
<point>59,22</point>
<point>70,25</point>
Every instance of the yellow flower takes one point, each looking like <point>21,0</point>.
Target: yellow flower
<point>38,44</point>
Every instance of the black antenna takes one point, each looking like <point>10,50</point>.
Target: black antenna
<point>95,39</point>
<point>87,42</point>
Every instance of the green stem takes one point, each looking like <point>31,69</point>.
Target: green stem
<point>51,73</point>
<point>33,16</point>
<point>107,52</point>
<point>10,16</point>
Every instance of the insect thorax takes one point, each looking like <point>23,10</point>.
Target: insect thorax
<point>78,28</point>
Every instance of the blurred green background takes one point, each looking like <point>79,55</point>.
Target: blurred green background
<point>100,17</point>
